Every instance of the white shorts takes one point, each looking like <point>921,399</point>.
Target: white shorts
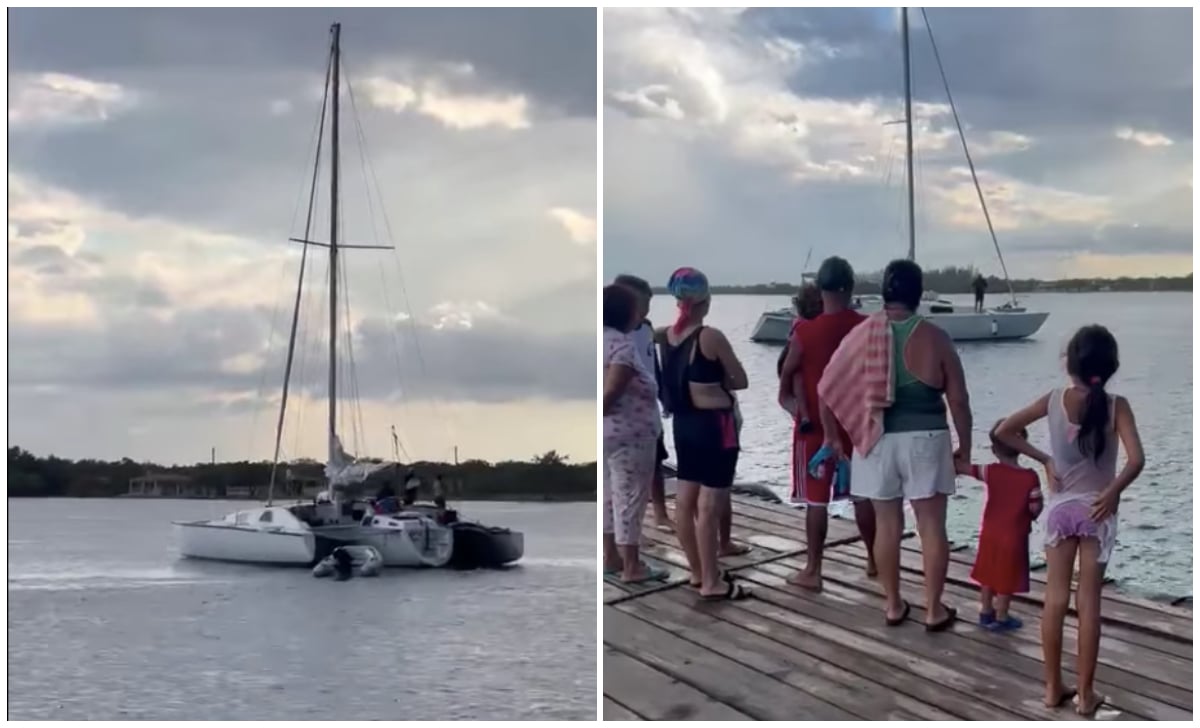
<point>908,465</point>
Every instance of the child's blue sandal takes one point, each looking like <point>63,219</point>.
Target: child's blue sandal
<point>1007,624</point>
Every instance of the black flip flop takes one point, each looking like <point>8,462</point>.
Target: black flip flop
<point>734,592</point>
<point>945,624</point>
<point>897,621</point>
<point>725,577</point>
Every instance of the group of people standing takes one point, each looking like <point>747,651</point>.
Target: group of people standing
<point>873,399</point>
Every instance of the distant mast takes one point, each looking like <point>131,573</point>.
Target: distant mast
<point>333,241</point>
<point>908,134</point>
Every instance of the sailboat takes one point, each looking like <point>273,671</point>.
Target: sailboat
<point>305,533</point>
<point>1009,321</point>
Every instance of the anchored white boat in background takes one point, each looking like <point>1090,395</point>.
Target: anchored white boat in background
<point>963,323</point>
<point>1007,322</point>
<point>306,533</point>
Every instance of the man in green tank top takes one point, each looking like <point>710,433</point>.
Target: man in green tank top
<point>914,459</point>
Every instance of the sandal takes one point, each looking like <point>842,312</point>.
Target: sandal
<point>1007,624</point>
<point>897,621</point>
<point>652,574</point>
<point>1066,696</point>
<point>945,624</point>
<point>725,577</point>
<point>1088,712</point>
<point>734,592</point>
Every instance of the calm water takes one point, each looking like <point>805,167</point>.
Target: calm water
<point>104,622</point>
<point>1154,551</point>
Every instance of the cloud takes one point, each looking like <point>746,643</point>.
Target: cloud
<point>280,107</point>
<point>181,308</point>
<point>580,228</point>
<point>707,74</point>
<point>59,98</point>
<point>431,96</point>
<point>1144,138</point>
<point>1013,204</point>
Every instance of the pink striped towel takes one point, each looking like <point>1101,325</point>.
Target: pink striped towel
<point>857,385</point>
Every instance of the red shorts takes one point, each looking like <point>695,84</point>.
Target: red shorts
<point>806,488</point>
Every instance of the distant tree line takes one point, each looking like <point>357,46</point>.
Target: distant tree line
<point>548,477</point>
<point>958,280</point>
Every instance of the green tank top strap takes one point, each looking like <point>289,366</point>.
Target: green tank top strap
<point>916,407</point>
<point>901,331</point>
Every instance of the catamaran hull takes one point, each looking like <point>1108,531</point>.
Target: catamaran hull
<point>773,327</point>
<point>411,544</point>
<point>483,547</point>
<point>248,545</point>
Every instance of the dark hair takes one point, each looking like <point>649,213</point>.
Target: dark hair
<point>1092,360</point>
<point>633,282</point>
<point>808,302</point>
<point>903,283</point>
<point>620,304</point>
<point>835,275</point>
<point>1004,449</point>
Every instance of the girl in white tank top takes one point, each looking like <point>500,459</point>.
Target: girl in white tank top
<point>1087,424</point>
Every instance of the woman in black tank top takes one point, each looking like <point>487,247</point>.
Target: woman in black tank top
<point>700,374</point>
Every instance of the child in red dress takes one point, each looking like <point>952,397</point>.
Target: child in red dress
<point>1013,502</point>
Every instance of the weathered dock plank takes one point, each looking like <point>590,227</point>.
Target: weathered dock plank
<point>791,654</point>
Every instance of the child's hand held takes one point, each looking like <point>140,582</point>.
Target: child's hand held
<point>1035,504</point>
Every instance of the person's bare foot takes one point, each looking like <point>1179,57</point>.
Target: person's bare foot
<point>733,549</point>
<point>663,523</point>
<point>1057,696</point>
<point>1086,705</point>
<point>613,567</point>
<point>806,580</point>
<point>872,571</point>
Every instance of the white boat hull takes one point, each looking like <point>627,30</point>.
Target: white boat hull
<point>963,324</point>
<point>206,540</point>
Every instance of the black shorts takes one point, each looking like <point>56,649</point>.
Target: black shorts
<point>704,449</point>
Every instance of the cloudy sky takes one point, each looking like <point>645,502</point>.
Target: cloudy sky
<point>158,159</point>
<point>735,141</point>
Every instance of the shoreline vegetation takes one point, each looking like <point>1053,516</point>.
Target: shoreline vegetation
<point>954,280</point>
<point>546,478</point>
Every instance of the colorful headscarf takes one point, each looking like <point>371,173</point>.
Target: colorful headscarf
<point>689,287</point>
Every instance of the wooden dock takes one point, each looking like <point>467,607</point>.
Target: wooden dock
<point>787,654</point>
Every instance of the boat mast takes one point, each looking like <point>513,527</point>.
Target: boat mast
<point>333,241</point>
<point>908,133</point>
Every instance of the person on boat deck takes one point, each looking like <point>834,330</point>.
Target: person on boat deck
<point>412,485</point>
<point>810,348</point>
<point>979,285</point>
<point>890,384</point>
<point>700,374</point>
<point>643,341</point>
<point>1012,500</point>
<point>631,428</point>
<point>385,499</point>
<point>1086,423</point>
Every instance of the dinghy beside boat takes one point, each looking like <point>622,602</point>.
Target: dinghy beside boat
<point>346,561</point>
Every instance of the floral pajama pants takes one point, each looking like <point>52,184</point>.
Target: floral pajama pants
<point>628,473</point>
